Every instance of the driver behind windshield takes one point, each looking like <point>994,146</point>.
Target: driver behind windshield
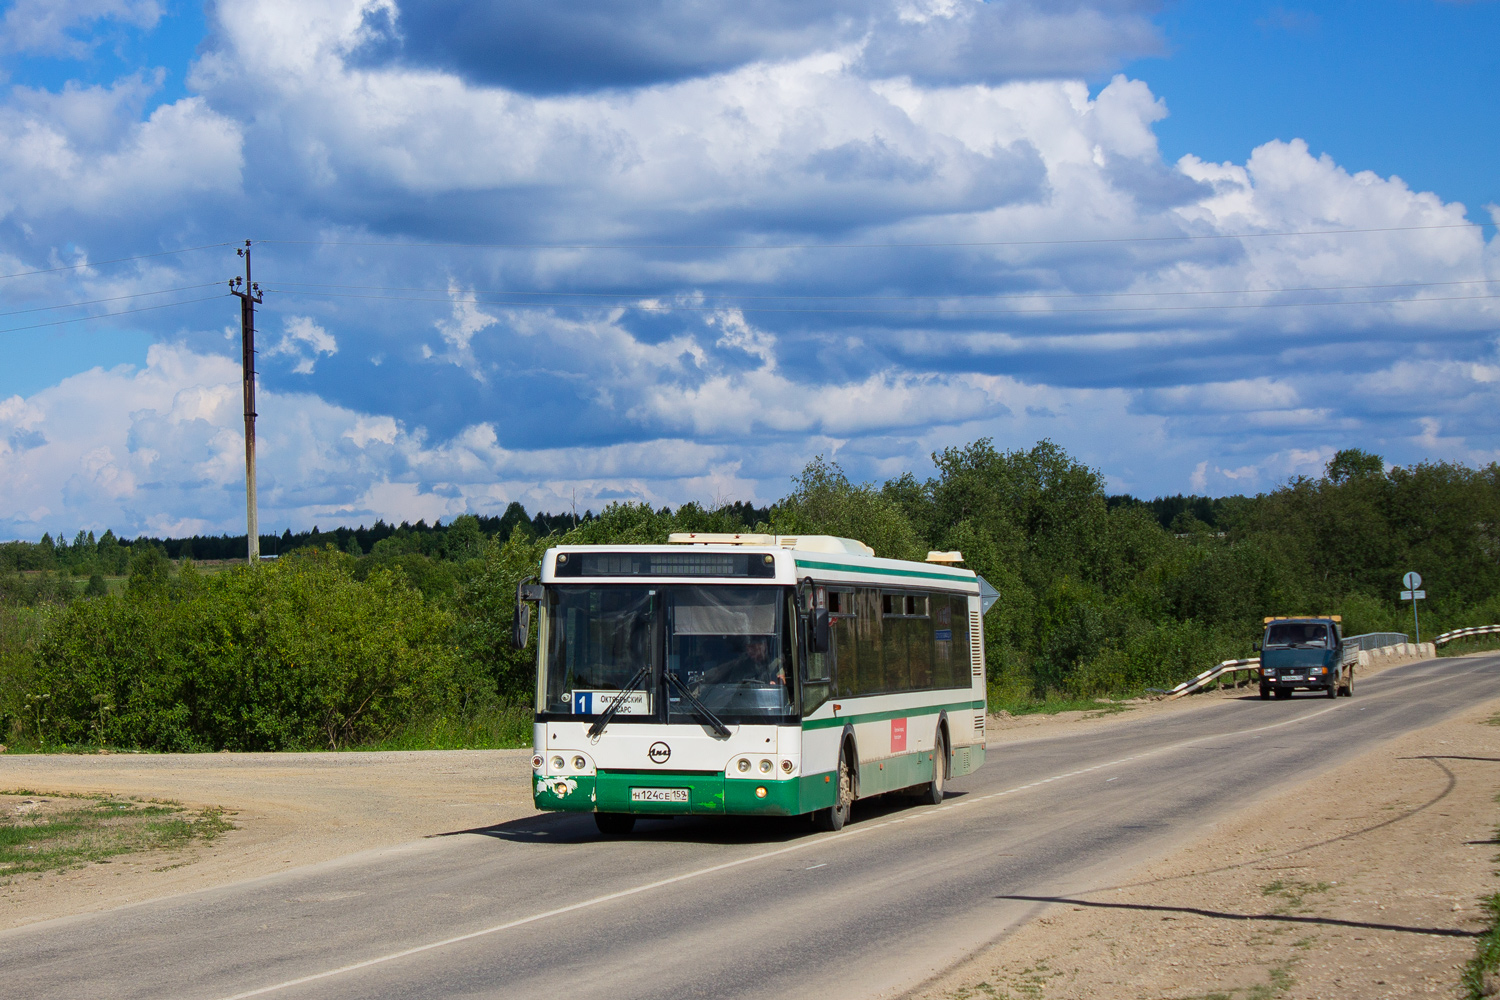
<point>755,665</point>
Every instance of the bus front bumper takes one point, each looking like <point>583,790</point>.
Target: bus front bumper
<point>658,793</point>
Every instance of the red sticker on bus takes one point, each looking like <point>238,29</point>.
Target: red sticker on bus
<point>898,735</point>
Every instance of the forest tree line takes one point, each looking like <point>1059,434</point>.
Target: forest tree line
<point>357,636</point>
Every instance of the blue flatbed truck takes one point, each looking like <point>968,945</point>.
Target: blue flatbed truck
<point>1306,654</point>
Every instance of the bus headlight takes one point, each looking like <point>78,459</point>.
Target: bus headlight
<point>743,764</point>
<point>579,763</point>
<point>558,764</point>
<point>765,767</point>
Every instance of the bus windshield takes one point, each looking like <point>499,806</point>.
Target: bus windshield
<point>728,645</point>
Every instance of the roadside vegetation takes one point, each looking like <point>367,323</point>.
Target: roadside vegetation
<point>53,832</point>
<point>397,637</point>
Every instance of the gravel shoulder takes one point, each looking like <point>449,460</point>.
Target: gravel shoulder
<point>1363,882</point>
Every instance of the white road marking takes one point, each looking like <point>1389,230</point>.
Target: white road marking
<point>825,840</point>
<point>820,864</point>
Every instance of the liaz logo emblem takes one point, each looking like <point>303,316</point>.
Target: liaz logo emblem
<point>659,753</point>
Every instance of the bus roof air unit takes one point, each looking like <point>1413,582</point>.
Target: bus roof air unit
<point>802,543</point>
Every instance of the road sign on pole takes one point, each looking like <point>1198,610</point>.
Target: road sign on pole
<point>1411,581</point>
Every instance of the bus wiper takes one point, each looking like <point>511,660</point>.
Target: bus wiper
<point>714,722</point>
<point>618,703</point>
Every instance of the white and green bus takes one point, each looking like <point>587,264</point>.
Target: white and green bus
<point>750,675</point>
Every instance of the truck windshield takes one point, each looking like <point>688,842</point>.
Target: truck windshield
<point>1296,634</point>
<point>727,644</point>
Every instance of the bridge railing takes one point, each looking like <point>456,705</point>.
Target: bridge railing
<point>1376,640</point>
<point>1466,633</point>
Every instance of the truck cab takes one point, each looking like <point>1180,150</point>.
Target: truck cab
<point>1306,653</point>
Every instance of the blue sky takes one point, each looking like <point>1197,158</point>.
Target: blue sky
<point>575,253</point>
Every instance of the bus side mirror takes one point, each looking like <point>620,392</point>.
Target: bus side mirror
<point>525,591</point>
<point>521,630</point>
<point>819,630</point>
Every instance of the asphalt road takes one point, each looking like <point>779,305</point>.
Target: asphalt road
<point>544,908</point>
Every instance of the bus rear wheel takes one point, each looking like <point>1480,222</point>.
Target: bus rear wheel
<point>614,824</point>
<point>932,792</point>
<point>835,816</point>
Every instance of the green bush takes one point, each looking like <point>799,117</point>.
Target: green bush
<point>295,654</point>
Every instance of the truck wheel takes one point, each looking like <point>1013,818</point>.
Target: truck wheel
<point>1332,690</point>
<point>1265,691</point>
<point>1348,691</point>
<point>614,824</point>
<point>835,816</point>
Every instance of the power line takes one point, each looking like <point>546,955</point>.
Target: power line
<point>938,313</point>
<point>867,246</point>
<point>119,312</point>
<point>116,260</point>
<point>112,298</point>
<point>635,296</point>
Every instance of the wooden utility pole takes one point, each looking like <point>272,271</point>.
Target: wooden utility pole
<point>249,295</point>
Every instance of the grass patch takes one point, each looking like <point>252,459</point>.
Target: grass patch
<point>1486,961</point>
<point>49,832</point>
<point>503,730</point>
<point>1294,892</point>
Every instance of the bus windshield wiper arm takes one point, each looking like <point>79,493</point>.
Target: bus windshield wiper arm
<point>618,703</point>
<point>714,722</point>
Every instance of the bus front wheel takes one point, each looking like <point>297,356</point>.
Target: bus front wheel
<point>835,816</point>
<point>614,824</point>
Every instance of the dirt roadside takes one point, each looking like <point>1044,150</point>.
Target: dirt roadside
<point>1361,883</point>
<point>288,810</point>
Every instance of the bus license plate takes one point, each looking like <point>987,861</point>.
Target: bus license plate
<point>658,795</point>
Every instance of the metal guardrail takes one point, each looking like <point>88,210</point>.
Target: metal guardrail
<point>1377,640</point>
<point>1465,633</point>
<point>1213,674</point>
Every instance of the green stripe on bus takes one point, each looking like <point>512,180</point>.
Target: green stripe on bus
<point>881,571</point>
<point>899,713</point>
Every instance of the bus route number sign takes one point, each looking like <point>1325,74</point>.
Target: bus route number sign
<point>597,702</point>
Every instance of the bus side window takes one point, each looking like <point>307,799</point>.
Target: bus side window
<point>919,642</point>
<point>958,610</point>
<point>868,671</point>
<point>842,645</point>
<point>896,673</point>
